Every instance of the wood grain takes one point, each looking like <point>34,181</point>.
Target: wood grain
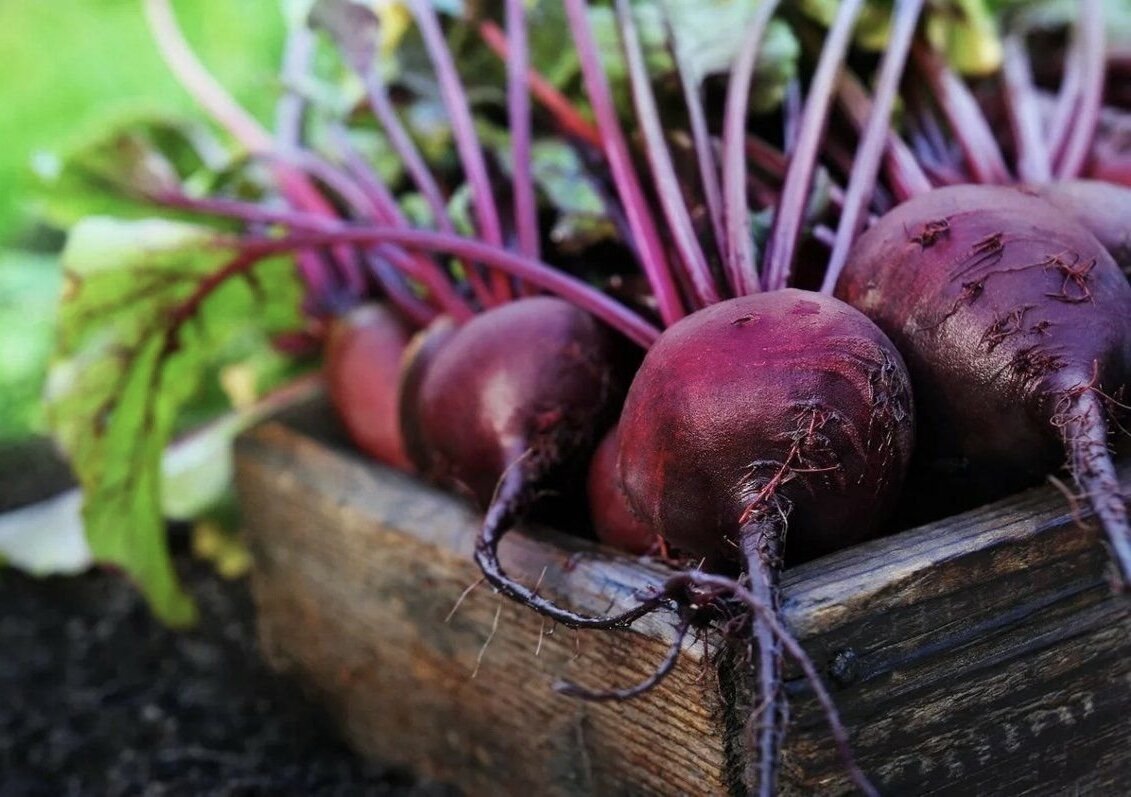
<point>981,655</point>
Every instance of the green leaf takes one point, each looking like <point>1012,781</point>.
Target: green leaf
<point>147,307</point>
<point>111,168</point>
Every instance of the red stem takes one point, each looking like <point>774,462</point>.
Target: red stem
<point>786,228</point>
<point>866,167</point>
<point>389,212</point>
<point>1070,162</point>
<point>901,167</point>
<point>1033,162</point>
<point>667,186</point>
<point>463,132</point>
<point>567,117</point>
<point>701,139</point>
<point>546,277</point>
<point>741,265</point>
<point>647,237</point>
<point>967,123</point>
<point>1071,85</point>
<point>518,113</point>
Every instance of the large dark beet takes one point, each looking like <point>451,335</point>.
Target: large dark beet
<point>788,402</point>
<point>1015,323</point>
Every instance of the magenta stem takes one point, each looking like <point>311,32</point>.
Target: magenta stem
<point>291,109</point>
<point>740,264</point>
<point>401,142</point>
<point>791,115</point>
<point>700,138</point>
<point>1070,87</point>
<point>389,212</point>
<point>696,272</point>
<point>463,132</point>
<point>902,169</point>
<point>1033,162</point>
<point>419,313</point>
<point>866,167</point>
<point>1086,118</point>
<point>967,123</point>
<point>785,231</point>
<point>543,276</point>
<point>646,237</point>
<point>518,114</point>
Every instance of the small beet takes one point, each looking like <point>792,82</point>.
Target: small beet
<point>510,405</point>
<point>613,519</point>
<point>363,356</point>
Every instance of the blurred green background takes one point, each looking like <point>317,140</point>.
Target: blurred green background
<point>67,65</point>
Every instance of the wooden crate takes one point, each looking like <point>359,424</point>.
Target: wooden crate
<point>980,655</point>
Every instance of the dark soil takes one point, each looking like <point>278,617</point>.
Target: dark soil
<point>96,698</point>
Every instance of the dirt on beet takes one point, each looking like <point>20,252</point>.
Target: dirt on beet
<point>97,698</point>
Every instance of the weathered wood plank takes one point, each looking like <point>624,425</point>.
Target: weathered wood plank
<point>357,569</point>
<point>980,655</point>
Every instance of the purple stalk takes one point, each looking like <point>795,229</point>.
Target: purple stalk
<point>371,206</point>
<point>789,217</point>
<point>1033,163</point>
<point>696,271</point>
<point>903,170</point>
<point>289,114</point>
<point>1070,87</point>
<point>647,237</point>
<point>463,131</point>
<point>741,267</point>
<point>1070,162</point>
<point>291,109</point>
<point>377,93</point>
<point>791,115</point>
<point>536,273</point>
<point>389,212</point>
<point>862,181</point>
<point>518,114</point>
<point>967,123</point>
<point>392,283</point>
<point>701,140</point>
<point>314,231</point>
<point>221,106</point>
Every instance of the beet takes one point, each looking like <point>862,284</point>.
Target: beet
<point>613,519</point>
<point>510,405</point>
<point>1015,323</point>
<point>761,418</point>
<point>362,369</point>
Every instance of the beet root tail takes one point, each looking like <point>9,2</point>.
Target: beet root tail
<point>570,689</point>
<point>511,500</point>
<point>1085,433</point>
<point>763,543</point>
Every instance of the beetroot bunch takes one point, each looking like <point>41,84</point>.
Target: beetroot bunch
<point>765,424</point>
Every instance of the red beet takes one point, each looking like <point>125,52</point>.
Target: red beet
<point>776,416</point>
<point>1016,326</point>
<point>511,403</point>
<point>613,519</point>
<point>362,369</point>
